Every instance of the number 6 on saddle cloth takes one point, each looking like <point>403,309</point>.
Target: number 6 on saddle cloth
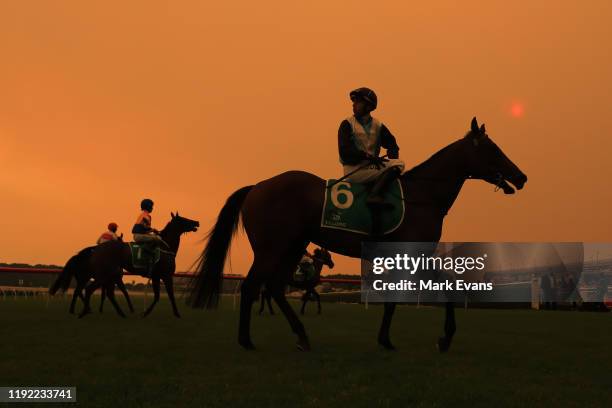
<point>345,208</point>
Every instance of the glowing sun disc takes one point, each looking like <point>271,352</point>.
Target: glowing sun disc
<point>517,109</point>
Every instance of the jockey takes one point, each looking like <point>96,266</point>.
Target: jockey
<point>142,230</point>
<point>360,138</point>
<point>305,269</point>
<point>109,235</point>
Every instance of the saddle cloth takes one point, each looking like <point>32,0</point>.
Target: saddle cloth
<point>345,207</point>
<point>144,255</point>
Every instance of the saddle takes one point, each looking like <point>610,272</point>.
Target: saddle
<point>305,272</point>
<point>345,208</point>
<point>145,256</point>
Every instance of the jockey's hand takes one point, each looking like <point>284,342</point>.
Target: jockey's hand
<point>378,161</point>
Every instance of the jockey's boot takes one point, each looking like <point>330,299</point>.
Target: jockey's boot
<point>375,198</point>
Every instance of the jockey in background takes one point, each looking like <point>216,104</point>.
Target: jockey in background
<point>305,269</point>
<point>360,138</point>
<point>109,235</point>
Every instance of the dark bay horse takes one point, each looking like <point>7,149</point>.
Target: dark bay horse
<point>109,258</point>
<point>320,258</point>
<point>282,215</point>
<point>78,267</point>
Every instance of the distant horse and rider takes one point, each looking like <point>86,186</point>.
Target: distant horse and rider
<point>102,266</point>
<point>282,215</point>
<point>306,277</point>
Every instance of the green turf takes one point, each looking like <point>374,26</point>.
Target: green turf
<point>499,358</point>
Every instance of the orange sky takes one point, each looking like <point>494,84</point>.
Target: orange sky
<point>106,102</point>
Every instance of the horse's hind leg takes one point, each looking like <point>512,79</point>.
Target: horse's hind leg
<point>269,301</point>
<point>296,325</point>
<point>110,292</point>
<point>123,290</point>
<point>318,301</point>
<point>450,327</point>
<point>249,291</point>
<point>262,303</point>
<point>102,298</point>
<point>89,290</point>
<point>383,335</point>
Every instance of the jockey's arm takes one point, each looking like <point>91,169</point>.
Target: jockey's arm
<point>347,149</point>
<point>387,141</point>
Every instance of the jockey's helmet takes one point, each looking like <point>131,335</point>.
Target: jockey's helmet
<point>112,227</point>
<point>365,94</point>
<point>146,204</point>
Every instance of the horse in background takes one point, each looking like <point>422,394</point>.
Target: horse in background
<point>320,258</point>
<point>78,267</point>
<point>106,262</point>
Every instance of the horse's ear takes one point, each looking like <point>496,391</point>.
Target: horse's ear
<point>482,129</point>
<point>172,214</point>
<point>474,125</point>
<point>177,213</point>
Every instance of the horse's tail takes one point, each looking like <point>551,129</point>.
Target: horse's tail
<point>206,285</point>
<point>72,266</point>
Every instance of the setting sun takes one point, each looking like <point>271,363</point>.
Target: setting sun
<point>517,109</point>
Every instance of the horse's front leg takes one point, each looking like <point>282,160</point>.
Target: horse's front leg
<point>155,284</point>
<point>450,327</point>
<point>170,290</point>
<point>77,294</point>
<point>383,335</point>
<point>304,301</point>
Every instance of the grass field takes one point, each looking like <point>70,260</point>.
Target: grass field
<point>499,358</point>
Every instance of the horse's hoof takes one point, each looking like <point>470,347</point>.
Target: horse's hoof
<point>249,346</point>
<point>386,344</point>
<point>443,345</point>
<point>178,316</point>
<point>303,345</point>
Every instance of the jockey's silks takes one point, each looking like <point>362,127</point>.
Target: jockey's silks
<point>366,137</point>
<point>143,223</point>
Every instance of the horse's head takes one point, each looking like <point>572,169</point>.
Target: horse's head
<point>488,162</point>
<point>324,256</point>
<point>183,224</point>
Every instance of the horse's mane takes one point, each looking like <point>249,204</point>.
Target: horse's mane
<point>427,163</point>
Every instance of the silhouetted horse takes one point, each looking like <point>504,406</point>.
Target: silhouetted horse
<point>78,267</point>
<point>282,215</point>
<point>110,257</point>
<point>321,257</point>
